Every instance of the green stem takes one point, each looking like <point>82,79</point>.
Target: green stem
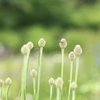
<point>58,94</point>
<point>77,67</point>
<point>51,86</point>
<point>39,74</point>
<point>24,76</point>
<point>0,91</point>
<point>62,71</point>
<point>7,90</point>
<point>71,70</point>
<point>73,94</point>
<point>34,89</point>
<point>62,65</point>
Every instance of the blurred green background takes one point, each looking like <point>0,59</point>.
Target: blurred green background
<point>78,21</point>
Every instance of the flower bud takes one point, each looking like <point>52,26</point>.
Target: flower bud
<point>30,45</point>
<point>1,82</point>
<point>77,50</point>
<point>33,73</point>
<point>59,82</point>
<point>25,49</point>
<point>41,42</point>
<point>51,81</point>
<point>8,81</point>
<point>73,85</point>
<point>63,43</point>
<point>71,56</point>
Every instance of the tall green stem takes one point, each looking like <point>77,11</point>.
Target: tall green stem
<point>51,92</point>
<point>24,77</point>
<point>62,64</point>
<point>0,91</point>
<point>71,70</point>
<point>39,74</point>
<point>7,90</point>
<point>58,94</point>
<point>73,94</point>
<point>77,67</point>
<point>34,89</point>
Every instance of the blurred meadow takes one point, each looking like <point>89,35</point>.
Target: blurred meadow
<point>78,21</point>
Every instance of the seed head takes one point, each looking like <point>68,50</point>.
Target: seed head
<point>30,45</point>
<point>33,73</point>
<point>41,42</point>
<point>73,85</point>
<point>77,50</point>
<point>63,43</point>
<point>71,56</point>
<point>51,81</point>
<point>8,81</point>
<point>59,82</point>
<point>25,49</point>
<point>1,82</point>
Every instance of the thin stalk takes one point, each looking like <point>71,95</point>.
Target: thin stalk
<point>73,94</point>
<point>0,91</point>
<point>24,77</point>
<point>34,89</point>
<point>7,90</point>
<point>51,86</point>
<point>39,74</point>
<point>71,70</point>
<point>62,71</point>
<point>58,94</point>
<point>77,67</point>
<point>62,64</point>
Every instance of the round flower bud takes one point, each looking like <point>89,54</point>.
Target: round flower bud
<point>25,49</point>
<point>41,42</point>
<point>59,82</point>
<point>51,81</point>
<point>73,85</point>
<point>63,43</point>
<point>71,56</point>
<point>1,82</point>
<point>33,73</point>
<point>8,81</point>
<point>30,45</point>
<point>77,50</point>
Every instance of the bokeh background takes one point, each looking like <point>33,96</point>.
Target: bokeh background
<point>78,21</point>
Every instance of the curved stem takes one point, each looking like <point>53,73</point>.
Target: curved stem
<point>71,70</point>
<point>77,67</point>
<point>39,74</point>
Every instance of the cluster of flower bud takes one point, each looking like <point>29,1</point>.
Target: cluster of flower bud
<point>63,43</point>
<point>8,81</point>
<point>71,56</point>
<point>77,50</point>
<point>33,73</point>
<point>26,48</point>
<point>41,42</point>
<point>1,82</point>
<point>51,81</point>
<point>73,85</point>
<point>59,82</point>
